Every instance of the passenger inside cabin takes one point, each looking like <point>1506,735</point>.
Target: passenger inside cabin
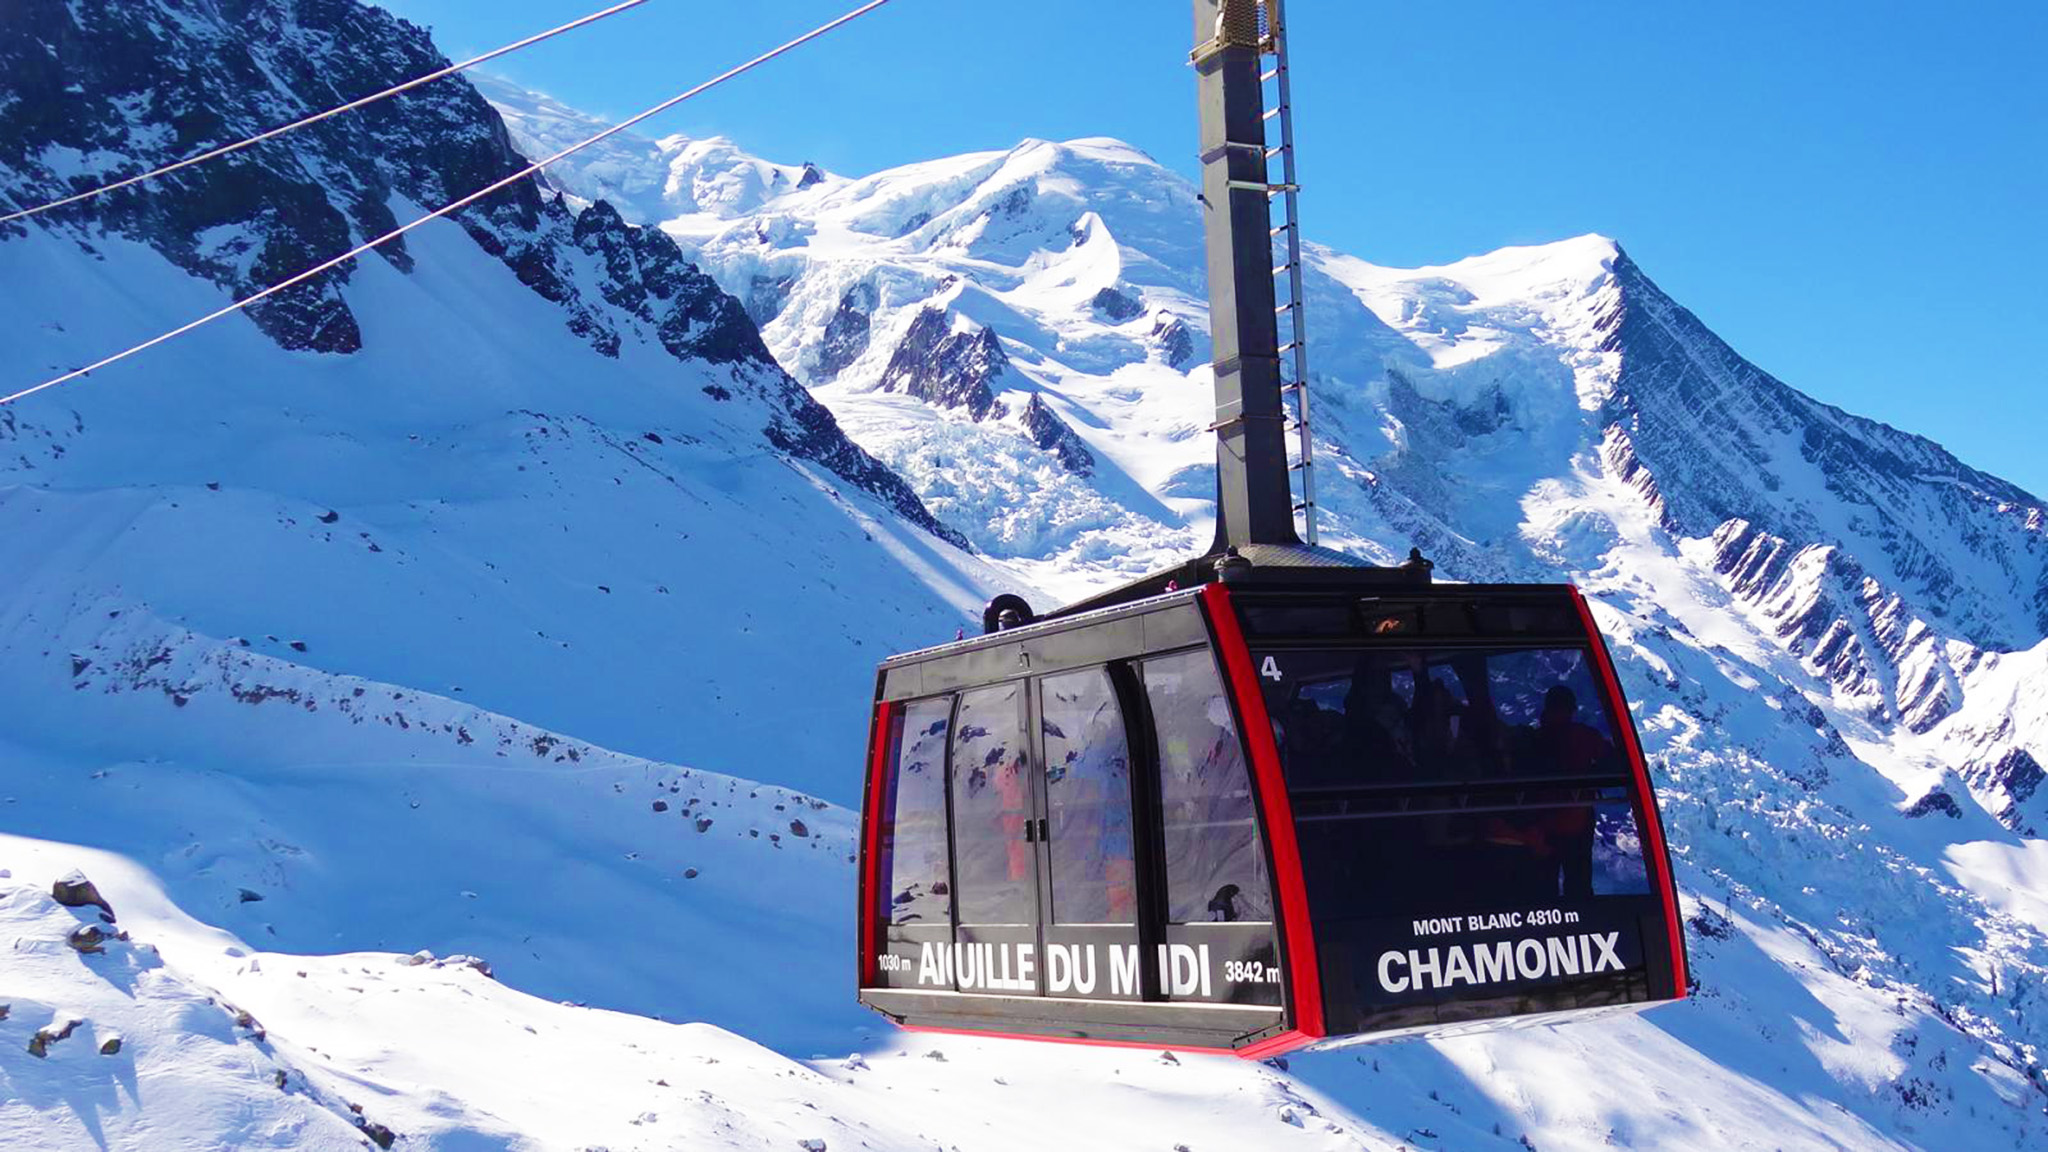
<point>1558,840</point>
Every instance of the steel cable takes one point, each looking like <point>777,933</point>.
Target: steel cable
<point>315,118</point>
<point>472,198</point>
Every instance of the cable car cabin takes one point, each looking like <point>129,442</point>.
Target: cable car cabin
<point>1300,802</point>
<point>1257,815</point>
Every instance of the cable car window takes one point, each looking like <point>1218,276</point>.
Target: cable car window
<point>913,866</point>
<point>995,879</point>
<point>1392,717</point>
<point>1215,865</point>
<point>1088,800</point>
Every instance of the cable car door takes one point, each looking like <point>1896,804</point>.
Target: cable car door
<point>995,845</point>
<point>1087,849</point>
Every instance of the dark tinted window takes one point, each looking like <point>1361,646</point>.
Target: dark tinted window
<point>1345,719</point>
<point>996,880</point>
<point>913,815</point>
<point>1566,847</point>
<point>1088,800</point>
<point>1215,865</point>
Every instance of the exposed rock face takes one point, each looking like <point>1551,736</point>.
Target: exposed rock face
<point>1051,433</point>
<point>1935,801</point>
<point>1116,306</point>
<point>2015,775</point>
<point>103,90</point>
<point>1175,343</point>
<point>846,334</point>
<point>108,89</point>
<point>1716,431</point>
<point>811,177</point>
<point>647,277</point>
<point>945,367</point>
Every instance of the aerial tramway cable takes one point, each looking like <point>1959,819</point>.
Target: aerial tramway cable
<point>316,117</point>
<point>437,213</point>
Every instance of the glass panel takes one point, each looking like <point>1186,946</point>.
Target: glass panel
<point>997,872</point>
<point>1215,865</point>
<point>1492,858</point>
<point>1088,801</point>
<point>913,865</point>
<point>1345,719</point>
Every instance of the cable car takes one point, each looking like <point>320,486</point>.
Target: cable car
<point>1271,797</point>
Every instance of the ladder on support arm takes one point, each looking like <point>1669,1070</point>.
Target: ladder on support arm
<point>1294,347</point>
<point>1240,54</point>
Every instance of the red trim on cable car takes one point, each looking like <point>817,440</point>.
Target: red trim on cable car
<point>1271,1046</point>
<point>1304,976</point>
<point>1275,1045</point>
<point>1653,824</point>
<point>871,843</point>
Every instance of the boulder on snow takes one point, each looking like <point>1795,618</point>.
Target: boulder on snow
<point>88,939</point>
<point>463,960</point>
<point>39,1044</point>
<point>75,891</point>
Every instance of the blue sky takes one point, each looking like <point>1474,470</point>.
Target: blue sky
<point>1855,195</point>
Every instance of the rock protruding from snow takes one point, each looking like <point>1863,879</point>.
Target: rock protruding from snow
<point>138,84</point>
<point>947,365</point>
<point>1117,307</point>
<point>1175,343</point>
<point>73,890</point>
<point>846,333</point>
<point>1051,434</point>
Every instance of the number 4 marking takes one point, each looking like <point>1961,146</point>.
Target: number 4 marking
<point>1270,669</point>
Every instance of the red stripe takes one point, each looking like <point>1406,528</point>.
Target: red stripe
<point>1653,824</point>
<point>1271,1046</point>
<point>1305,979</point>
<point>871,843</point>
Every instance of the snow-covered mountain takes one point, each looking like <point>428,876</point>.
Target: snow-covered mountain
<point>1021,334</point>
<point>386,622</point>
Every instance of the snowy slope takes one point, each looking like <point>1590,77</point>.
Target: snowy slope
<point>320,652</point>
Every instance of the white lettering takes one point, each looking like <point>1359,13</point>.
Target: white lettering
<point>1084,971</point>
<point>928,964</point>
<point>1427,971</point>
<point>1564,956</point>
<point>1457,967</point>
<point>1496,962</point>
<point>1059,969</point>
<point>1389,981</point>
<point>1123,969</point>
<point>1534,958</point>
<point>1027,966</point>
<point>1202,966</point>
